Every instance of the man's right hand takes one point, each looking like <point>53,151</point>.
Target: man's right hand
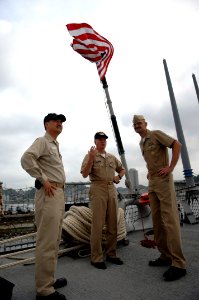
<point>49,188</point>
<point>92,153</point>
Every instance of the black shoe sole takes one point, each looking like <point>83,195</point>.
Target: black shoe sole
<point>174,274</point>
<point>172,278</point>
<point>159,263</point>
<point>99,265</point>
<point>113,260</point>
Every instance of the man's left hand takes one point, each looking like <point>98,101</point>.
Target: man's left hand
<point>116,179</point>
<point>164,171</point>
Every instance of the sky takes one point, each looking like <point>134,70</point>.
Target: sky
<point>40,73</point>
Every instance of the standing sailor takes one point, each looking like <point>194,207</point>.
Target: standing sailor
<point>101,167</point>
<point>43,161</point>
<point>154,146</point>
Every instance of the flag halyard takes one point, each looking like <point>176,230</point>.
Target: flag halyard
<point>91,45</point>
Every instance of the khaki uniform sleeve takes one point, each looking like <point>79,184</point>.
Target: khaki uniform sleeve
<point>163,138</point>
<point>29,160</point>
<point>85,160</point>
<point>119,166</point>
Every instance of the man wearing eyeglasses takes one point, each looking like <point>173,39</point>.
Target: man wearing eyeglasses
<point>43,161</point>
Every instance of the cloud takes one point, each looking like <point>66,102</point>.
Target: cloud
<point>40,73</point>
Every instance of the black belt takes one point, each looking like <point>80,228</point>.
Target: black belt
<point>38,184</point>
<point>57,184</point>
<point>102,182</point>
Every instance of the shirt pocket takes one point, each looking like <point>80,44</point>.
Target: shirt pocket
<point>97,164</point>
<point>112,164</point>
<point>53,152</point>
<point>150,147</point>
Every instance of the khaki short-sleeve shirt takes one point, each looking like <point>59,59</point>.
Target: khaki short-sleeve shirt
<point>103,168</point>
<point>42,160</point>
<point>154,148</point>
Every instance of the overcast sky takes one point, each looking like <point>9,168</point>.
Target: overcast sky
<point>40,73</point>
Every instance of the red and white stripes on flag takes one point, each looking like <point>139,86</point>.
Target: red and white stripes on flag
<point>91,45</point>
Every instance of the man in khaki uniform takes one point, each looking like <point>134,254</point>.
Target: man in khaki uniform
<point>101,167</point>
<point>43,161</point>
<point>154,146</point>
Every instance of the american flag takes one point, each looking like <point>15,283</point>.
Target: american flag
<point>91,45</point>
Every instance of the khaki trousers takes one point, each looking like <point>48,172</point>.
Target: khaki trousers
<point>166,221</point>
<point>49,212</point>
<point>103,203</point>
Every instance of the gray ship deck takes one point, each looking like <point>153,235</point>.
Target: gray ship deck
<point>134,280</point>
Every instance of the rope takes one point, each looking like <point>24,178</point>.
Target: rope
<point>17,252</point>
<point>17,238</point>
<point>27,260</point>
<point>77,223</point>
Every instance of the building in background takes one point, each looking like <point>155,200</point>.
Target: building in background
<point>133,174</point>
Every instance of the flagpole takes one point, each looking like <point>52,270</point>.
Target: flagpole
<point>143,211</point>
<point>196,86</point>
<point>117,135</point>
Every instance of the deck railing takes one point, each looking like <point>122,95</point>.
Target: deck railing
<point>77,193</point>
